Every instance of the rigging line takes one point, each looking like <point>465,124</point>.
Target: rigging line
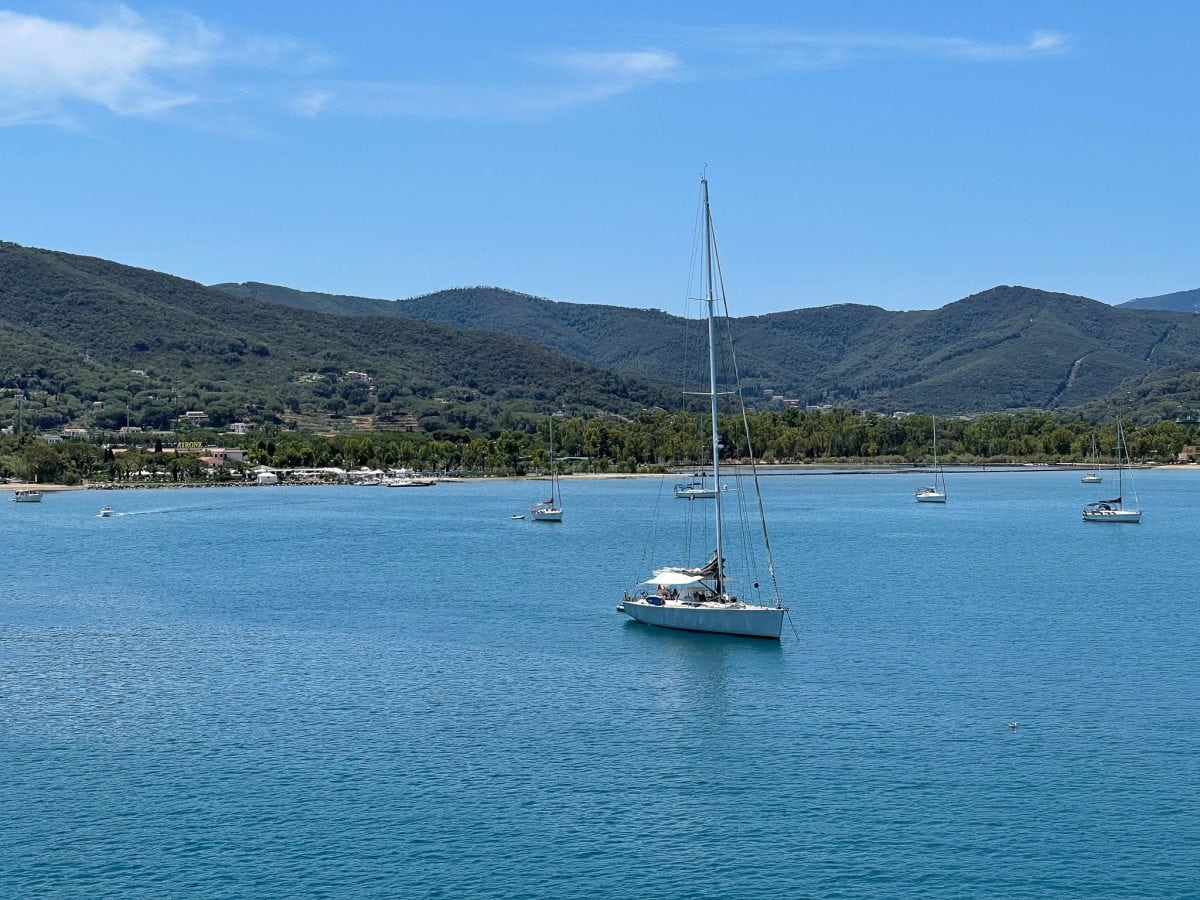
<point>737,380</point>
<point>792,624</point>
<point>650,544</point>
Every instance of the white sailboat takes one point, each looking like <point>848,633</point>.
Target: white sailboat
<point>1115,510</point>
<point>936,492</point>
<point>701,598</point>
<point>550,510</point>
<point>697,489</point>
<point>27,496</point>
<point>1094,476</point>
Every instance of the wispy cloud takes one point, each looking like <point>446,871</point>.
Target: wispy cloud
<point>546,84</point>
<point>128,65</point>
<point>781,48</point>
<point>554,82</point>
<point>53,71</point>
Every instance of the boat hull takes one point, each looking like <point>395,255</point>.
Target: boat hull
<point>743,620</point>
<point>1115,516</point>
<point>930,497</point>
<point>1092,479</point>
<point>27,497</point>
<point>546,515</point>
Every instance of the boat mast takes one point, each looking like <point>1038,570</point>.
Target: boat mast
<point>1120,468</point>
<point>936,471</point>
<point>553,467</point>
<point>710,299</point>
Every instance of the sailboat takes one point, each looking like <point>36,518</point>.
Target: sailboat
<point>702,598</point>
<point>550,510</point>
<point>1094,476</point>
<point>1115,510</point>
<point>936,492</point>
<point>696,489</point>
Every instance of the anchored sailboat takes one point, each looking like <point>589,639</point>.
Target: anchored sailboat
<point>701,598</point>
<point>936,492</point>
<point>1094,476</point>
<point>1115,510</point>
<point>550,510</point>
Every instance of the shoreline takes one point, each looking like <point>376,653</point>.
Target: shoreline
<point>776,470</point>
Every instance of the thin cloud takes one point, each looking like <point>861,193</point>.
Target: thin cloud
<point>632,66</point>
<point>777,48</point>
<point>587,77</point>
<point>54,71</point>
<point>550,84</point>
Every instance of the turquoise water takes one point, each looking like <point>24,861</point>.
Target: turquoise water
<point>405,693</point>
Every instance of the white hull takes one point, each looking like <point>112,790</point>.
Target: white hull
<point>546,515</point>
<point>698,491</point>
<point>1132,516</point>
<point>1092,479</point>
<point>928,496</point>
<point>739,619</point>
<point>27,497</point>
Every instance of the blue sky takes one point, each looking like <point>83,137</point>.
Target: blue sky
<point>898,154</point>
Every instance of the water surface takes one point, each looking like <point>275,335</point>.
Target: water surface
<point>359,691</point>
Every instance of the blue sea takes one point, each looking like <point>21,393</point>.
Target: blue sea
<point>372,692</point>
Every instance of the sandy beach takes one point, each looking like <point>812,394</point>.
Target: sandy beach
<point>764,469</point>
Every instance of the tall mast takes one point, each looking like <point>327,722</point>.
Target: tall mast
<point>553,466</point>
<point>1120,469</point>
<point>710,299</point>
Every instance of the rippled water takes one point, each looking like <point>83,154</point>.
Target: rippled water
<point>378,692</point>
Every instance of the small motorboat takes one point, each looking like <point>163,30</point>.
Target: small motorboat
<point>516,517</point>
<point>106,512</point>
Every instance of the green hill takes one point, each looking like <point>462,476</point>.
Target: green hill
<point>1180,301</point>
<point>116,344</point>
<point>1005,348</point>
<point>87,341</point>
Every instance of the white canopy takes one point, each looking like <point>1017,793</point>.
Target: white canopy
<point>672,579</point>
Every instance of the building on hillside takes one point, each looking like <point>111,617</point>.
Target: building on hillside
<point>227,454</point>
<point>195,417</point>
<point>240,427</point>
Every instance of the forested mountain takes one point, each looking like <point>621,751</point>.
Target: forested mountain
<point>87,341</point>
<point>1180,301</point>
<point>84,337</point>
<point>1004,348</point>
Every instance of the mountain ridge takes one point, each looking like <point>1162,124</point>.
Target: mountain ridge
<point>1007,347</point>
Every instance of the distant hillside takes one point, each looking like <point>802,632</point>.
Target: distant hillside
<point>1004,348</point>
<point>117,344</point>
<point>1180,301</point>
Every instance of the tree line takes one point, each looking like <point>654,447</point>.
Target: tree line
<point>655,440</point>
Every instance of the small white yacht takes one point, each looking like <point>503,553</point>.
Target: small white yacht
<point>1115,510</point>
<point>936,492</point>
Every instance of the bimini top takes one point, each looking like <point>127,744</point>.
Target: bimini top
<point>672,579</point>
